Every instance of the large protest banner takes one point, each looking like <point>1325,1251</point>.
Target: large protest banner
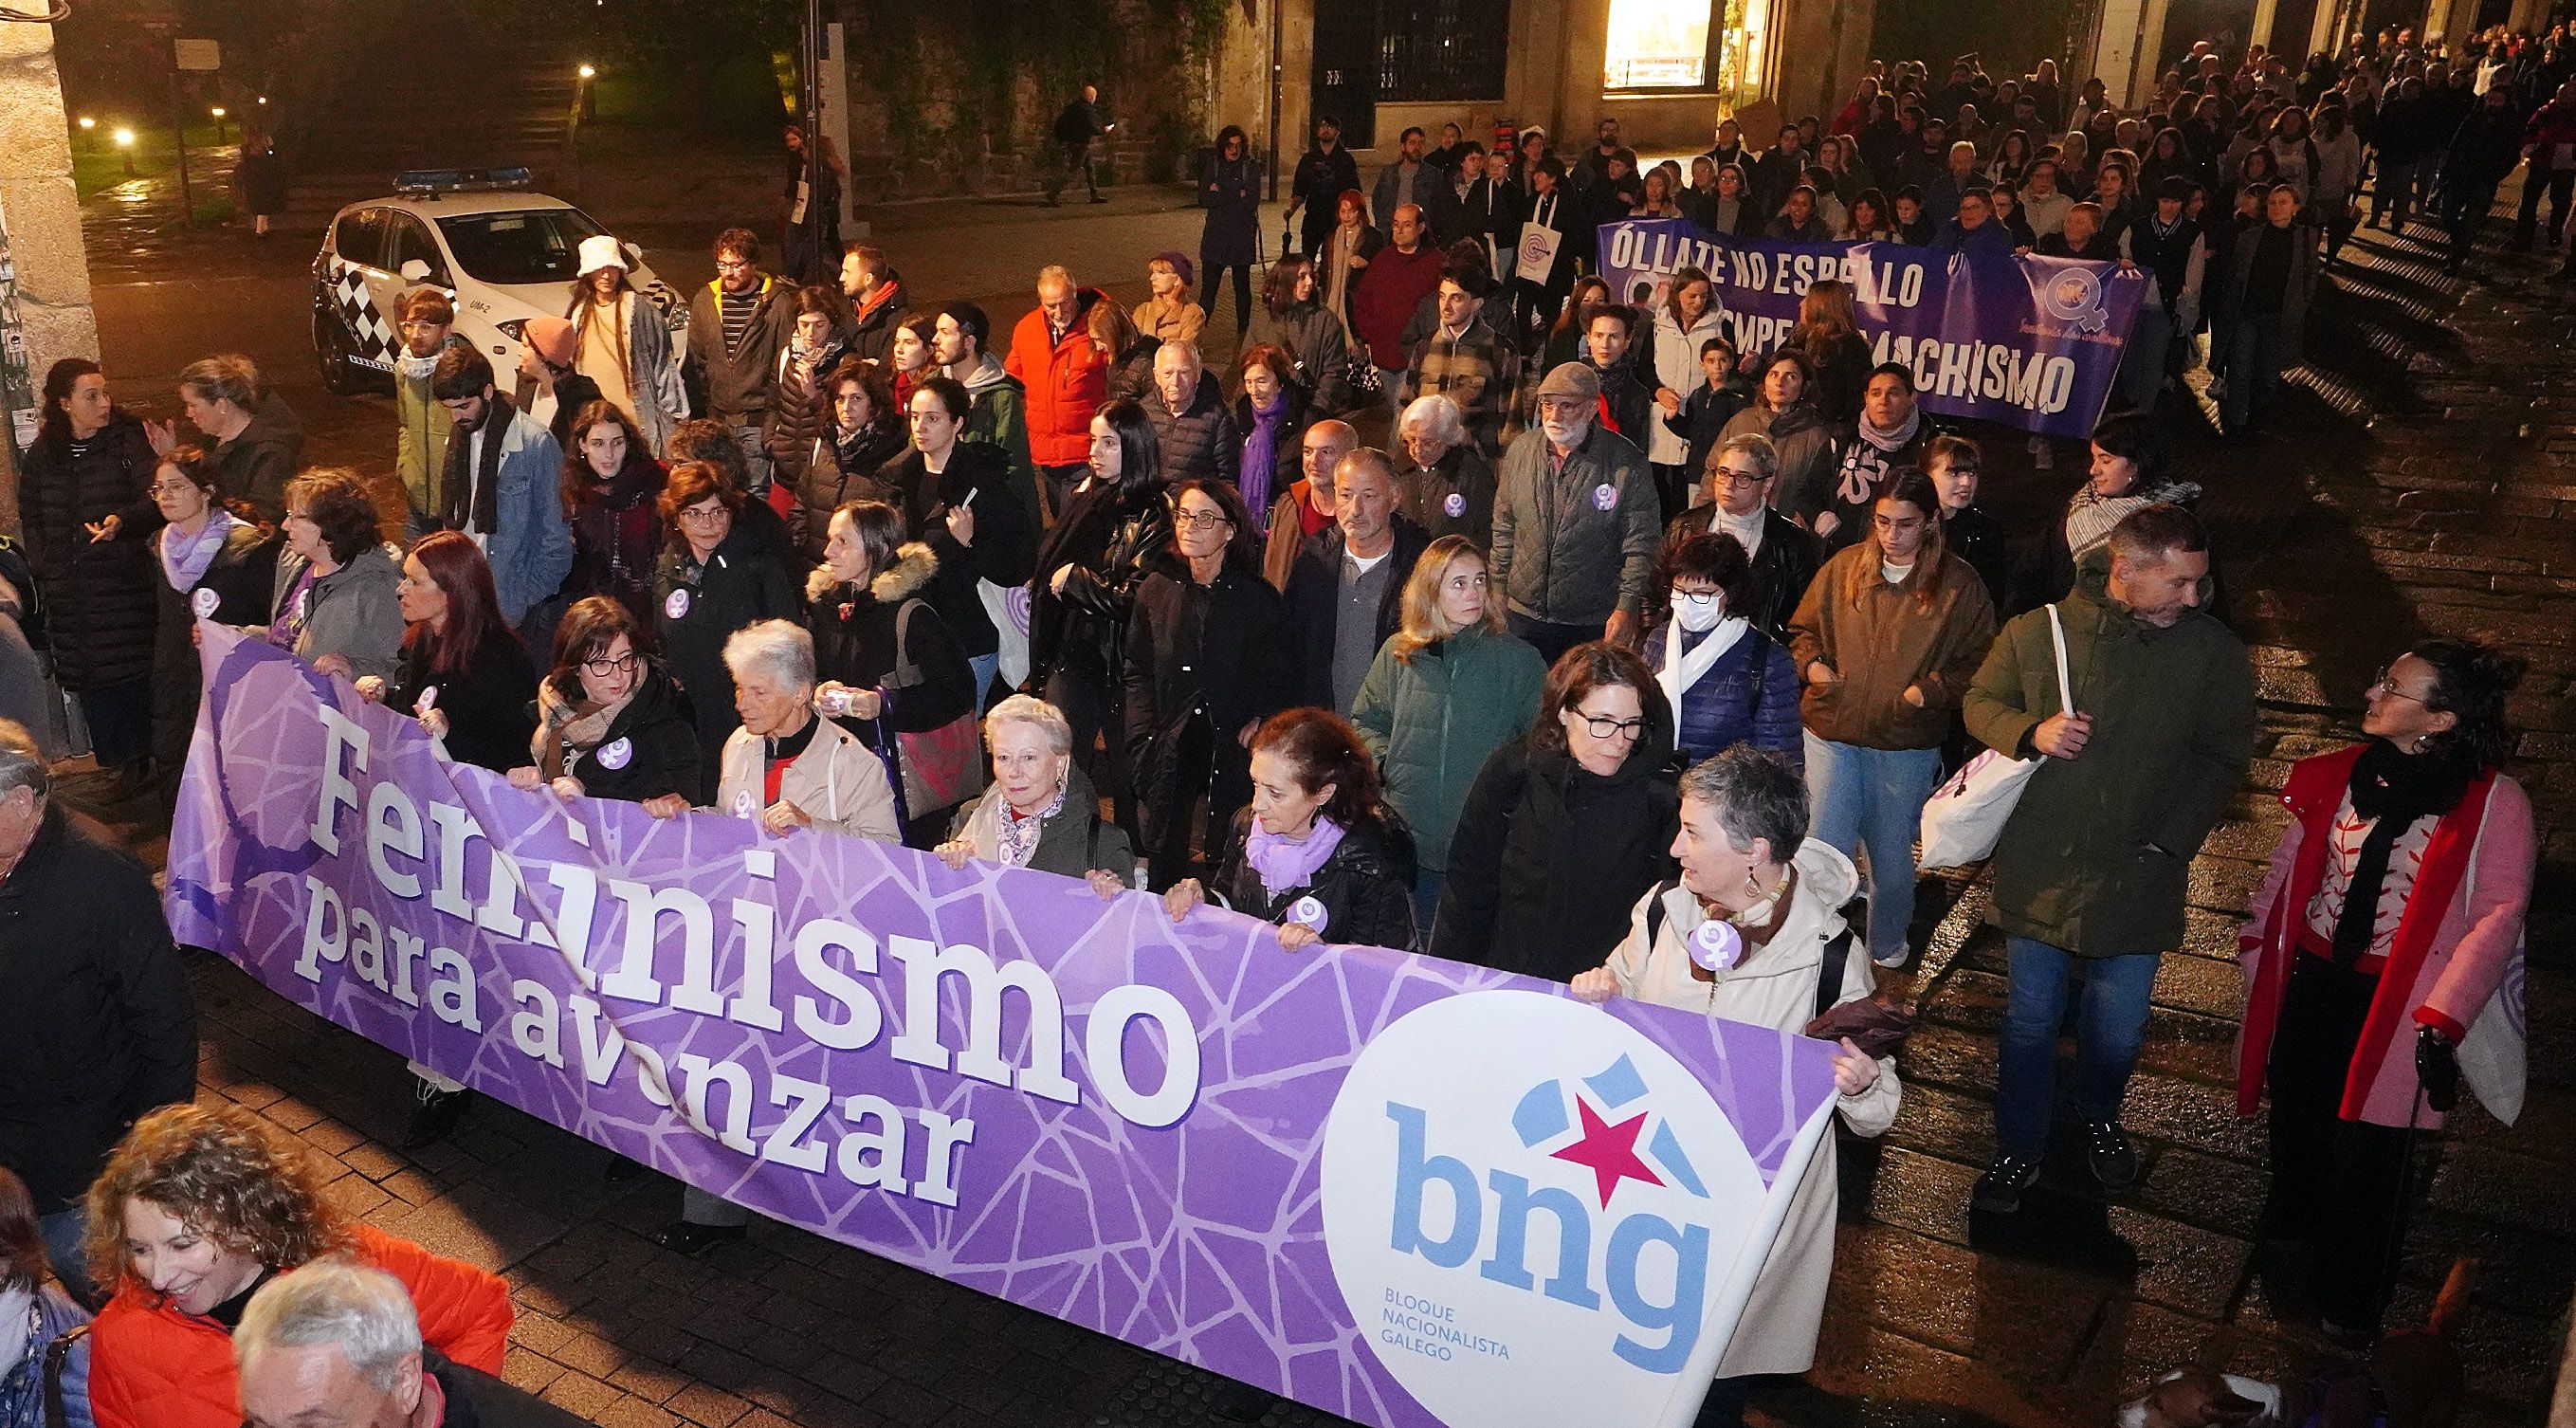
<point>1400,1189</point>
<point>2028,342</point>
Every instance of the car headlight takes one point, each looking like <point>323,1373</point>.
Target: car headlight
<point>515,329</point>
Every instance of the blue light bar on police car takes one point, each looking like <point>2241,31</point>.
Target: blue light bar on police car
<point>436,181</point>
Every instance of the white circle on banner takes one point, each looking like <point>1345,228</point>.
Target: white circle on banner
<point>1451,1127</point>
<point>1455,503</point>
<point>427,701</point>
<point>742,805</point>
<point>616,754</point>
<point>1604,496</point>
<point>205,602</point>
<point>1716,945</point>
<point>1308,911</point>
<point>676,604</point>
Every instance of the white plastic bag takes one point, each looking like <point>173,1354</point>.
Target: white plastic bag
<point>1965,816</point>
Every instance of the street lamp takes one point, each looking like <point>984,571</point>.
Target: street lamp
<point>218,112</point>
<point>125,143</point>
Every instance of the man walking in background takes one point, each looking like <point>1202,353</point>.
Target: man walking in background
<point>1074,131</point>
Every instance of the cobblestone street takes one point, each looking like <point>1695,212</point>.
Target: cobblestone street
<point>2423,480</point>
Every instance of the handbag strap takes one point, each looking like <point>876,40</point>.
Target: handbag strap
<point>1829,977</point>
<point>907,675</point>
<point>58,1352</point>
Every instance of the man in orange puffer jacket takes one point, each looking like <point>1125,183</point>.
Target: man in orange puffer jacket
<point>1066,381</point>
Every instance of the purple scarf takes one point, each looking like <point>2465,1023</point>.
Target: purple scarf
<point>1285,864</point>
<point>184,568</point>
<point>1261,454</point>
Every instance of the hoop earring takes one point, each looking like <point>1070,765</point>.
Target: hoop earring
<point>1752,885</point>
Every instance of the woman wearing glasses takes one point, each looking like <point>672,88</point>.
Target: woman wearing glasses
<point>1728,682</point>
<point>1889,636</point>
<point>1564,830</point>
<point>1783,555</point>
<point>715,578</point>
<point>611,721</point>
<point>2390,920</point>
<point>1208,658</point>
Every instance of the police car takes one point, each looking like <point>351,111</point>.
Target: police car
<point>502,253</point>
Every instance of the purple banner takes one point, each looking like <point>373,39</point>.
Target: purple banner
<point>2023,341</point>
<point>1400,1189</point>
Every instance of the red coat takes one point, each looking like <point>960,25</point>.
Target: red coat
<point>152,1366</point>
<point>2449,953</point>
<point>1066,391</point>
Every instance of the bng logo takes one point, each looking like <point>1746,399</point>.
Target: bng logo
<point>1530,1208</point>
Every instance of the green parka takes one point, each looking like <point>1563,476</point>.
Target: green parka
<point>2079,865</point>
<point>1431,721</point>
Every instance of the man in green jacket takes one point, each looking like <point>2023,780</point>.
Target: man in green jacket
<point>420,457</point>
<point>2094,862</point>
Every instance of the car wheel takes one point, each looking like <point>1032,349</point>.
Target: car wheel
<point>331,355</point>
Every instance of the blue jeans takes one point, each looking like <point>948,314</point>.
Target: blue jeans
<point>1426,904</point>
<point>62,1232</point>
<point>2253,361</point>
<point>1873,798</point>
<point>2108,1032</point>
<point>985,667</point>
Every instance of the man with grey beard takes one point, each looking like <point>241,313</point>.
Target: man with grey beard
<point>1576,523</point>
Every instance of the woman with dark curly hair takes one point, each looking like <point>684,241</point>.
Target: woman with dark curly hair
<point>1318,851</point>
<point>715,578</point>
<point>612,490</point>
<point>333,602</point>
<point>196,1209</point>
<point>2390,920</point>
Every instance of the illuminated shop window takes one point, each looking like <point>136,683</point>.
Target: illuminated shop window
<point>1658,44</point>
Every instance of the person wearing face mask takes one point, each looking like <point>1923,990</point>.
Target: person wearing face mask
<point>2392,914</point>
<point>1576,524</point>
<point>1449,687</point>
<point>1783,556</point>
<point>1728,681</point>
<point>1208,657</point>
<point>1887,639</point>
<point>1756,881</point>
<point>2093,865</point>
<point>1317,851</point>
<point>1564,830</point>
<point>1041,811</point>
<point>199,1207</point>
<point>611,721</point>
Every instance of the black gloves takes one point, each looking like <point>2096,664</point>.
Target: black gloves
<point>2437,1066</point>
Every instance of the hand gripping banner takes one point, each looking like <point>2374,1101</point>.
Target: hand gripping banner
<point>1396,1188</point>
<point>2028,342</point>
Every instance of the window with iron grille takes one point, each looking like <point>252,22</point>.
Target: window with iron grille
<point>1442,51</point>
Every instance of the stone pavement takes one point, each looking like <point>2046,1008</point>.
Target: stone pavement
<point>2422,484</point>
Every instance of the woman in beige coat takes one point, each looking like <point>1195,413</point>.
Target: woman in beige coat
<point>1742,813</point>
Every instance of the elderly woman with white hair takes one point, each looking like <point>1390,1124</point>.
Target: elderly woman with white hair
<point>338,1342</point>
<point>1751,933</point>
<point>788,768</point>
<point>1446,485</point>
<point>1041,811</point>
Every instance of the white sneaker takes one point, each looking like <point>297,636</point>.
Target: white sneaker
<point>1892,961</point>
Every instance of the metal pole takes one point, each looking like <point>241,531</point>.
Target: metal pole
<point>179,136</point>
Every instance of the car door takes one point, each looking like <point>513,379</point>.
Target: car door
<point>407,240</point>
<point>357,276</point>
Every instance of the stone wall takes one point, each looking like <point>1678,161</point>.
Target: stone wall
<point>43,219</point>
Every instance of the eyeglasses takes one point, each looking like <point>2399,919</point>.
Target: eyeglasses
<point>623,664</point>
<point>1733,476</point>
<point>1199,520</point>
<point>740,266</point>
<point>1603,727</point>
<point>704,515</point>
<point>1890,527</point>
<point>172,488</point>
<point>2380,683</point>
<point>413,324</point>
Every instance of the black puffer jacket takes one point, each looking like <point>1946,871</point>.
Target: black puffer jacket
<point>1200,443</point>
<point>1365,885</point>
<point>845,468</point>
<point>1549,858</point>
<point>1112,540</point>
<point>800,415</point>
<point>1222,649</point>
<point>100,611</point>
<point>239,576</point>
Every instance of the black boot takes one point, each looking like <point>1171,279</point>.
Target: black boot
<point>436,1116</point>
<point>688,1237</point>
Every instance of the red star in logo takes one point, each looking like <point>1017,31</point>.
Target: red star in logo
<point>1610,1151</point>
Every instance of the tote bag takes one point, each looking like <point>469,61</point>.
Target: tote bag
<point>1964,817</point>
<point>941,767</point>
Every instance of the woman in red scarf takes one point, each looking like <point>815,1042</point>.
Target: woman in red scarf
<point>2388,931</point>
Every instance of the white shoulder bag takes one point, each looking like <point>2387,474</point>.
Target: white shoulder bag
<point>1965,816</point>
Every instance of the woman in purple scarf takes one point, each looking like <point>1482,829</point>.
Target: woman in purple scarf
<point>1272,416</point>
<point>1318,852</point>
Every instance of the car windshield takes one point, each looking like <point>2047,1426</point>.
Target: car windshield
<point>539,245</point>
